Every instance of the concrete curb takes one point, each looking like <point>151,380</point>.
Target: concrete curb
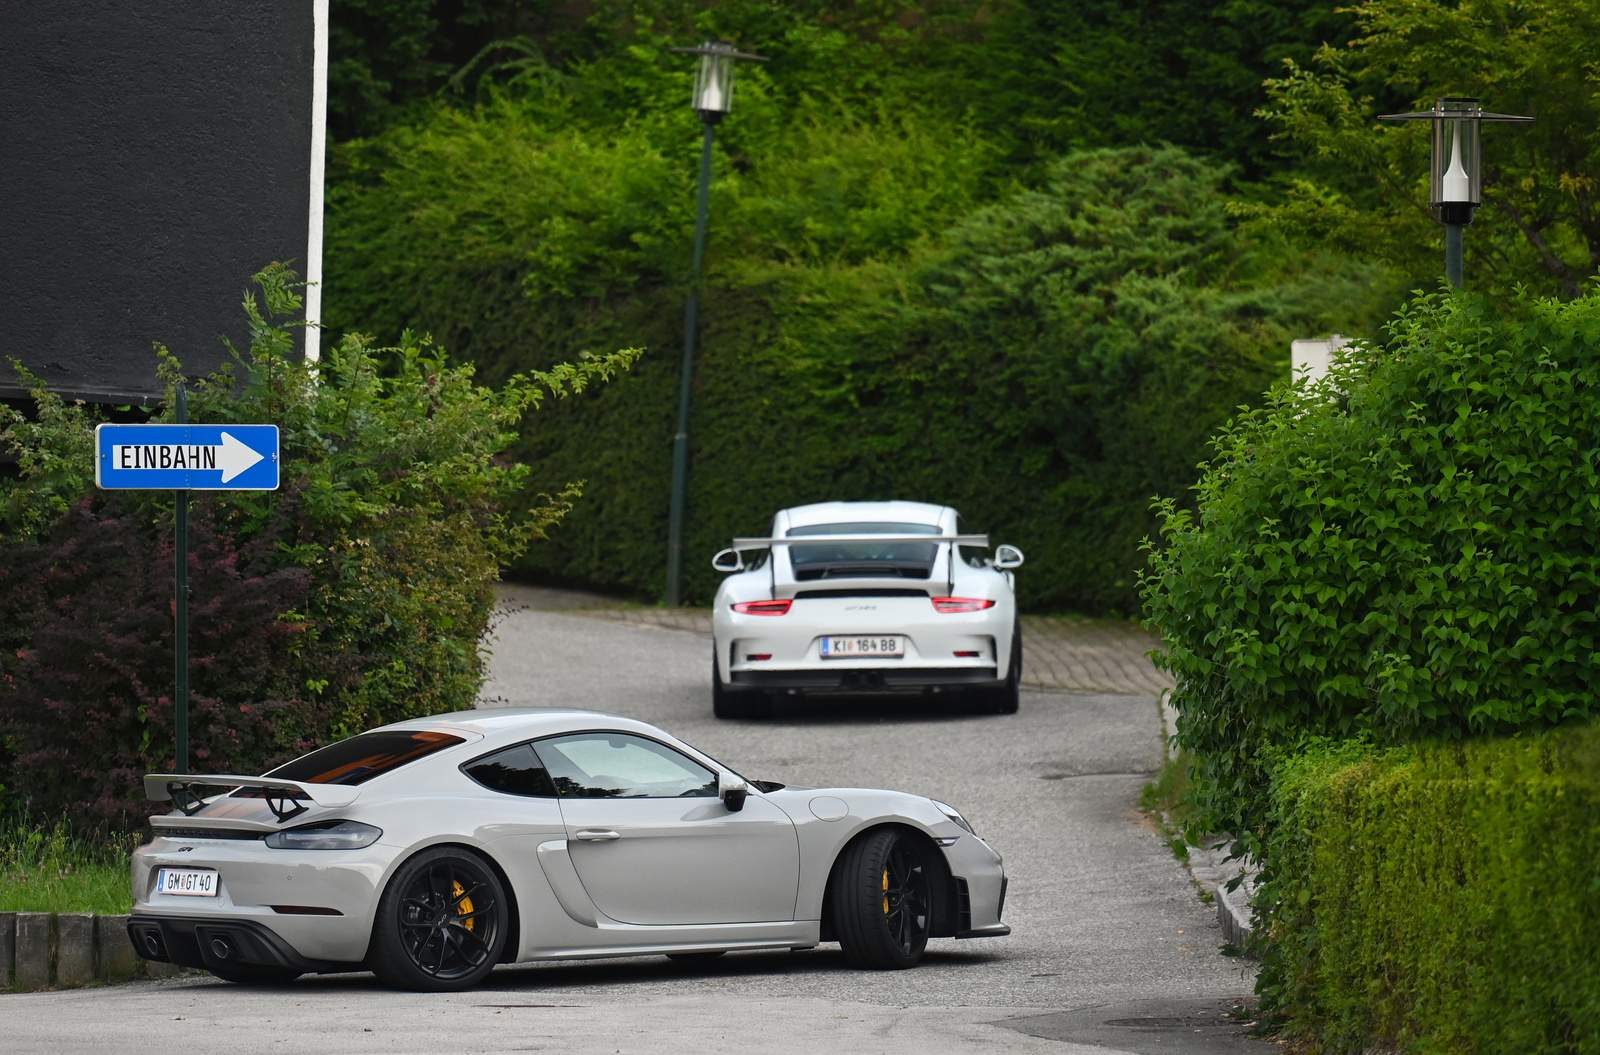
<point>1234,911</point>
<point>1213,872</point>
<point>46,950</point>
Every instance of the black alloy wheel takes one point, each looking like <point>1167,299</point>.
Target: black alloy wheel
<point>442,923</point>
<point>882,900</point>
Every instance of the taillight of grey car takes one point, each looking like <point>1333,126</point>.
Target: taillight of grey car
<point>326,835</point>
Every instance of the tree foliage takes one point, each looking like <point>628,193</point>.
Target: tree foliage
<point>1406,550</point>
<point>1039,77</point>
<point>1365,185</point>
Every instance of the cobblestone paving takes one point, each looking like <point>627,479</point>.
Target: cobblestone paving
<point>1060,653</point>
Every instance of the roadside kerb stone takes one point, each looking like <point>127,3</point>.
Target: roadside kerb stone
<point>74,949</point>
<point>34,933</point>
<point>1214,871</point>
<point>8,947</point>
<point>115,957</point>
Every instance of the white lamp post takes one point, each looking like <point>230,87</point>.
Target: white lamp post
<point>1457,176</point>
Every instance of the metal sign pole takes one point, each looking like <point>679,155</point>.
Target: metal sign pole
<point>180,457</point>
<point>180,629</point>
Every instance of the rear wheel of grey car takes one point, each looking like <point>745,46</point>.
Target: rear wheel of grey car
<point>255,974</point>
<point>882,900</point>
<point>441,924</point>
<point>735,703</point>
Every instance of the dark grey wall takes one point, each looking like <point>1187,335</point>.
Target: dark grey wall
<point>153,156</point>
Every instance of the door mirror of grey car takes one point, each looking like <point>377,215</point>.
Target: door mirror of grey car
<point>1007,557</point>
<point>733,791</point>
<point>728,560</point>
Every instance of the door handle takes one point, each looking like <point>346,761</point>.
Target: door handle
<point>594,835</point>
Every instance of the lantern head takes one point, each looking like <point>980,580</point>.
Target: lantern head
<point>1457,188</point>
<point>713,81</point>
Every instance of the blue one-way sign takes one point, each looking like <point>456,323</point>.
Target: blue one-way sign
<point>186,457</point>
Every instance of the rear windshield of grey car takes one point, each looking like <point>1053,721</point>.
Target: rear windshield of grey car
<point>360,758</point>
<point>846,560</point>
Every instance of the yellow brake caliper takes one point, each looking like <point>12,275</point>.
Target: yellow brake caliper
<point>885,891</point>
<point>464,907</point>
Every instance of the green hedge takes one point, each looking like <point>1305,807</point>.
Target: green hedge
<point>1441,899</point>
<point>1046,364</point>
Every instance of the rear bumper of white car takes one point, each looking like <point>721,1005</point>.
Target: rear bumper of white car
<point>939,650</point>
<point>855,679</point>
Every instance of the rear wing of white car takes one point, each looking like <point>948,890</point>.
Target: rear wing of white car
<point>976,541</point>
<point>282,795</point>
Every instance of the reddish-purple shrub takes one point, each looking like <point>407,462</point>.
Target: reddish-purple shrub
<point>86,684</point>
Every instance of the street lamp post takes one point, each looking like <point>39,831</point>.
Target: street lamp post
<point>713,98</point>
<point>1457,190</point>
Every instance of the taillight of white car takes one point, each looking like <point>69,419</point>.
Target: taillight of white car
<point>762,607</point>
<point>948,605</point>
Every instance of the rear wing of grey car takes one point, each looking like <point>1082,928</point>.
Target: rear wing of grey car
<point>282,795</point>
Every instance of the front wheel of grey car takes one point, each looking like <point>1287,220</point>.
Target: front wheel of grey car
<point>882,900</point>
<point>441,925</point>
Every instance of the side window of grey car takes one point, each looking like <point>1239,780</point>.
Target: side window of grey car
<point>620,766</point>
<point>514,771</point>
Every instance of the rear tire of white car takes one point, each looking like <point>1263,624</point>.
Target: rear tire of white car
<point>1004,700</point>
<point>735,703</point>
<point>441,925</point>
<point>882,900</point>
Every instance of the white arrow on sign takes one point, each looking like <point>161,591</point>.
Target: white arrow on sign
<point>235,457</point>
<point>232,456</point>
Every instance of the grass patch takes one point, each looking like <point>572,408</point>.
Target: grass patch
<point>1168,796</point>
<point>49,869</point>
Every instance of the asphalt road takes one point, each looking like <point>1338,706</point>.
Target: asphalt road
<point>1111,949</point>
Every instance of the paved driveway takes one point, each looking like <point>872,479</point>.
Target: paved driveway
<point>1107,927</point>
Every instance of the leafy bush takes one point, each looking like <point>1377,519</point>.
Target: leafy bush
<point>356,594</point>
<point>1407,550</point>
<point>1439,899</point>
<point>1046,364</point>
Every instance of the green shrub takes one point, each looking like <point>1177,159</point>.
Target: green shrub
<point>1046,364</point>
<point>1441,899</point>
<point>1408,550</point>
<point>356,594</point>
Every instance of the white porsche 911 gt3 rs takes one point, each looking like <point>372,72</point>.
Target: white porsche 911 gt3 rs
<point>431,850</point>
<point>852,597</point>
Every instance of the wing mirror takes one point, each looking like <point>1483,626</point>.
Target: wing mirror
<point>728,560</point>
<point>1007,557</point>
<point>732,791</point>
